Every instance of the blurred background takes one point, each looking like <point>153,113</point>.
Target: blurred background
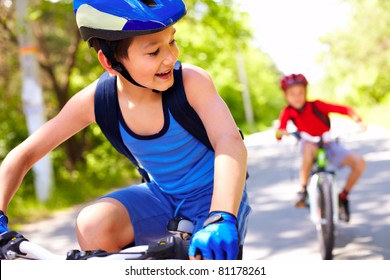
<point>343,48</point>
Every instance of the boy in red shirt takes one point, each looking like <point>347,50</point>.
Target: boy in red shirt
<point>312,117</point>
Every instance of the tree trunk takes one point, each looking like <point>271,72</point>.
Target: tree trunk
<point>32,97</point>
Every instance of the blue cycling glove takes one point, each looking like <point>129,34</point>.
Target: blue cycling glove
<point>218,239</point>
<point>3,222</point>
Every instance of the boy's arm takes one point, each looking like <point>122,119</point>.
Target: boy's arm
<point>282,129</point>
<point>340,109</point>
<point>219,237</point>
<point>230,150</point>
<point>76,114</point>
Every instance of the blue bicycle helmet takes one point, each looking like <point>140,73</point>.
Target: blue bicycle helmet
<point>115,20</point>
<point>119,19</point>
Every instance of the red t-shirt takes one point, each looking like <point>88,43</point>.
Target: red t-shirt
<point>306,120</point>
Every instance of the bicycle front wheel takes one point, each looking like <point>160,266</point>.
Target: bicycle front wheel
<point>325,227</point>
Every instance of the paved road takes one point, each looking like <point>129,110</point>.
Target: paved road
<point>276,229</point>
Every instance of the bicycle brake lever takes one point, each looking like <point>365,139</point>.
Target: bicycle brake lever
<point>9,242</point>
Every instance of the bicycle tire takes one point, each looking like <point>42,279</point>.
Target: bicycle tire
<point>325,228</point>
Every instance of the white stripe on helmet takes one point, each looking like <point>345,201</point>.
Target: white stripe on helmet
<point>88,16</point>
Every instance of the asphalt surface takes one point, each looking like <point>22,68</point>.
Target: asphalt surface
<point>277,230</point>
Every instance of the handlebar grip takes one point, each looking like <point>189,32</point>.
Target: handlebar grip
<point>84,255</point>
<point>173,247</point>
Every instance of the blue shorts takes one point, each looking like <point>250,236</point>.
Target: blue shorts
<point>335,153</point>
<point>150,209</point>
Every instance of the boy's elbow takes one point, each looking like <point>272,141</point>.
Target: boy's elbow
<point>244,149</point>
<point>19,159</point>
<point>233,144</point>
<point>240,147</point>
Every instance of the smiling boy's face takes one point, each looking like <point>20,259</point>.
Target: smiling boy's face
<point>151,59</point>
<point>296,96</point>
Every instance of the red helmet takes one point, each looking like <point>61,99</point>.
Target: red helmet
<point>293,79</point>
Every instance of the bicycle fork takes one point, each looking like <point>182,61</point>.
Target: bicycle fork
<point>313,193</point>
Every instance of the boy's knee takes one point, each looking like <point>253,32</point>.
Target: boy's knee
<point>89,229</point>
<point>361,165</point>
<point>102,228</point>
<point>85,220</point>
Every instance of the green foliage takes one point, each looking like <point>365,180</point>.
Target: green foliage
<point>358,57</point>
<point>267,98</point>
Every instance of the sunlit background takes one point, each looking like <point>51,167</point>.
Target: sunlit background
<point>290,31</point>
<point>342,46</point>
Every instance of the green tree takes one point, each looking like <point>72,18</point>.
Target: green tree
<point>358,57</point>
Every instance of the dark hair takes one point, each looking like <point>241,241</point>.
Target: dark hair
<point>120,50</point>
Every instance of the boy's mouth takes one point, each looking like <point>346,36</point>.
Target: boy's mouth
<point>164,75</point>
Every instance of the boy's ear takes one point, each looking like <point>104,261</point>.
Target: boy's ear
<point>105,63</point>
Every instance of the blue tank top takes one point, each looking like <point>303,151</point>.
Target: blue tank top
<point>175,160</point>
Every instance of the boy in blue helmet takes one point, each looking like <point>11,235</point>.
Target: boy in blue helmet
<point>135,44</point>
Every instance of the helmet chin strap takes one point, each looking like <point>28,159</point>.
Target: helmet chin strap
<point>108,51</point>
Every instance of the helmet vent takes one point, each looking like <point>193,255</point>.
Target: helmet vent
<point>149,3</point>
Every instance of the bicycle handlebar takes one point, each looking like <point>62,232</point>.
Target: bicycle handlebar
<point>326,137</point>
<point>14,245</point>
<point>36,251</point>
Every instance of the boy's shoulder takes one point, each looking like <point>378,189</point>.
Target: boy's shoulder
<point>196,80</point>
<point>191,68</point>
<point>194,73</point>
<point>321,104</point>
<point>317,101</point>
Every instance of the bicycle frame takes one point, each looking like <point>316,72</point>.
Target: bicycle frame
<point>322,195</point>
<point>319,174</point>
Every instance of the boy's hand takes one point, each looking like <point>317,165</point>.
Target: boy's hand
<point>3,222</point>
<point>218,239</point>
<point>362,126</point>
<point>280,133</point>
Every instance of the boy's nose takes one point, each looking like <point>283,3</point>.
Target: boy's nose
<point>171,58</point>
